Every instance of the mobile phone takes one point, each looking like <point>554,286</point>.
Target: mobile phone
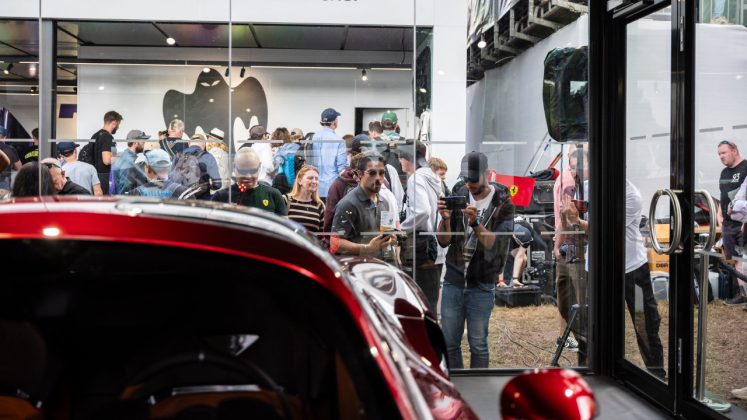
<point>455,202</point>
<point>581,205</point>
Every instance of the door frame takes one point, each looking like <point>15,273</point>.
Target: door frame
<point>607,72</point>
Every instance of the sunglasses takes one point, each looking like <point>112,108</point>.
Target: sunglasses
<point>723,142</point>
<point>374,172</point>
<point>52,165</point>
<point>245,172</point>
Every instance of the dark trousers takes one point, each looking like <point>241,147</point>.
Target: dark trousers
<point>428,278</point>
<point>104,179</point>
<point>649,345</point>
<point>571,282</point>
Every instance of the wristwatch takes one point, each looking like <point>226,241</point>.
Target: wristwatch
<point>474,224</point>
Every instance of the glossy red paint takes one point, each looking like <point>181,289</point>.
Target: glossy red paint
<point>560,394</point>
<point>30,220</point>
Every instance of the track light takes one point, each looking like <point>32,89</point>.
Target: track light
<point>170,41</point>
<point>206,69</point>
<point>482,44</point>
<point>227,71</point>
<point>364,75</point>
<point>8,69</point>
<point>423,90</point>
<point>243,71</point>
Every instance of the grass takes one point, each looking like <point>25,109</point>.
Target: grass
<point>525,338</point>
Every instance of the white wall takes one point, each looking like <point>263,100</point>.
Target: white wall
<point>295,97</point>
<point>449,92</point>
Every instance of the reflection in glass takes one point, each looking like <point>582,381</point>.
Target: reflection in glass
<point>648,112</point>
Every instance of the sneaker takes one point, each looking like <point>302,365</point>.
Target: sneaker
<point>570,345</point>
<point>738,300</point>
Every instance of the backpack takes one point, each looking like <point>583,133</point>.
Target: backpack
<point>187,170</point>
<point>152,191</point>
<point>86,153</point>
<point>303,157</point>
<point>285,161</point>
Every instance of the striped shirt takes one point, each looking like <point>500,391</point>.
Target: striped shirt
<point>307,213</point>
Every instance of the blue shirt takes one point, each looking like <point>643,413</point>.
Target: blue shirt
<point>329,156</point>
<point>127,176</point>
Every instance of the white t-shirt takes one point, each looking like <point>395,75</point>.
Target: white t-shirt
<point>82,173</point>
<point>635,252</point>
<point>482,206</point>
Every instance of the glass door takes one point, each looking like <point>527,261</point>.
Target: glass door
<point>680,292</point>
<point>648,194</point>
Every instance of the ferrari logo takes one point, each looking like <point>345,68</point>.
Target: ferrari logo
<point>514,190</point>
<point>266,202</point>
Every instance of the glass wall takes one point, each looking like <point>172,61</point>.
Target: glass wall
<point>524,233</point>
<point>720,171</point>
<point>315,119</point>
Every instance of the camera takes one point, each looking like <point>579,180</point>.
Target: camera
<point>455,202</point>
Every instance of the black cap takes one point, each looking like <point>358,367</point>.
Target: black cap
<point>474,164</point>
<point>329,116</point>
<point>356,146</point>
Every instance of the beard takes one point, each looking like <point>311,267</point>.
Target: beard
<point>139,149</point>
<point>114,130</point>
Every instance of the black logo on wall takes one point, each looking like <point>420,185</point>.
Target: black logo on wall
<point>207,106</point>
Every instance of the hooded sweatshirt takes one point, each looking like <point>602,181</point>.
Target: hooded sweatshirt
<point>421,209</point>
<point>340,186</point>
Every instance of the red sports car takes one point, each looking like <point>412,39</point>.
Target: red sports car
<point>134,308</point>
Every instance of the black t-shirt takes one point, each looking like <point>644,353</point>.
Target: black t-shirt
<point>10,151</point>
<point>731,179</point>
<point>261,197</point>
<point>29,154</point>
<point>72,188</point>
<point>104,143</point>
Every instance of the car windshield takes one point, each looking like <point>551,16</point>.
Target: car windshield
<point>97,328</point>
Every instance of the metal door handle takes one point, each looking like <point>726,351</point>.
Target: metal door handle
<point>676,229</point>
<point>712,222</point>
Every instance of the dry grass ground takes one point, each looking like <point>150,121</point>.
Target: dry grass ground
<point>525,337</point>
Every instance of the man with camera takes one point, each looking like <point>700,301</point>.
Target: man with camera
<point>473,220</point>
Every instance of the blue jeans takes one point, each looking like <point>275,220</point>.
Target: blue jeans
<point>473,305</point>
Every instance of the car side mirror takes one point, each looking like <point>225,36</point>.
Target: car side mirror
<point>560,394</point>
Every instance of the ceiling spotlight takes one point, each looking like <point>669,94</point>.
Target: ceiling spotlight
<point>170,41</point>
<point>423,90</point>
<point>243,71</point>
<point>206,69</point>
<point>33,89</point>
<point>101,87</point>
<point>8,69</point>
<point>364,75</point>
<point>228,69</point>
<point>482,44</point>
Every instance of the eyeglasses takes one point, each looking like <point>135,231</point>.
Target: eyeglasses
<point>374,172</point>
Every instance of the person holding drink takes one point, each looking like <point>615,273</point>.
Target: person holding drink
<point>358,216</point>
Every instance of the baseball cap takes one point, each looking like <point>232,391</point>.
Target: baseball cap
<point>158,159</point>
<point>256,132</point>
<point>329,115</point>
<point>356,144</point>
<point>217,133</point>
<point>65,146</point>
<point>474,164</point>
<point>137,135</point>
<point>389,115</point>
